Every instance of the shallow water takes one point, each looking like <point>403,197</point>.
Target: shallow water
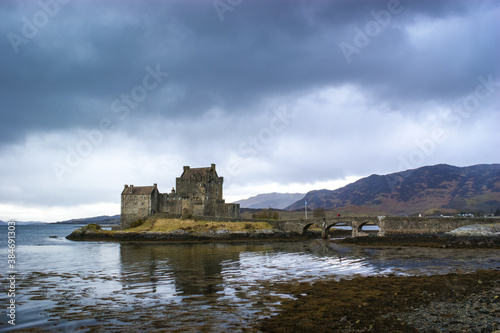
<point>70,286</point>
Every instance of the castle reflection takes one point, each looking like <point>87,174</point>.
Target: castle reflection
<point>174,271</point>
<point>191,269</point>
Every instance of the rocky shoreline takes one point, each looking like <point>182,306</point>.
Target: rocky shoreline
<point>444,240</point>
<point>467,237</point>
<point>93,234</point>
<point>437,303</point>
<point>456,302</point>
<point>492,229</point>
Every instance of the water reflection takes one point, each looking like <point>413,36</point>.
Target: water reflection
<point>193,269</point>
<point>216,269</point>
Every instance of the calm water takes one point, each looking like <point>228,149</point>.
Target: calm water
<point>70,286</point>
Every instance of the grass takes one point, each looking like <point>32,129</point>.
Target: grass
<point>168,225</point>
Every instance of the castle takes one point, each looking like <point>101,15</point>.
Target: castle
<point>199,193</point>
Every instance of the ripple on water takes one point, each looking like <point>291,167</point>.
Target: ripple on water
<point>253,267</point>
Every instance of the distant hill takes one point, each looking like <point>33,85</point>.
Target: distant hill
<point>115,219</point>
<point>23,223</point>
<point>428,189</point>
<point>273,200</point>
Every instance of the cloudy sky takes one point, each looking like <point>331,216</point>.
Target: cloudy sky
<point>282,95</point>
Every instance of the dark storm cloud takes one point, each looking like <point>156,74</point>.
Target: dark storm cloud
<point>196,82</point>
<point>90,53</point>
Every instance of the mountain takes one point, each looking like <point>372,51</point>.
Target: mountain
<point>115,219</point>
<point>427,189</point>
<point>273,200</point>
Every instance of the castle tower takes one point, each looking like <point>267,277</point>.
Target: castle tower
<point>138,202</point>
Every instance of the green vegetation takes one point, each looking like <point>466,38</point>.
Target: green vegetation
<point>137,223</point>
<point>91,228</point>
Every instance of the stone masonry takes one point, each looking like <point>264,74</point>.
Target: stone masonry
<point>388,225</point>
<point>199,193</point>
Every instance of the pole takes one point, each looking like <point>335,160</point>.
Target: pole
<point>305,208</point>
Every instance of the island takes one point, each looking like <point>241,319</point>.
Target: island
<point>159,228</point>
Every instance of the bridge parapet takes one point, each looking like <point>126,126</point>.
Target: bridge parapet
<point>427,225</point>
<point>388,225</point>
<point>325,224</point>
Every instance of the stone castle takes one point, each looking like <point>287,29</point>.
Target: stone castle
<point>199,193</point>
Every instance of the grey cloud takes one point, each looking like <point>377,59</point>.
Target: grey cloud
<point>98,50</point>
<point>226,78</point>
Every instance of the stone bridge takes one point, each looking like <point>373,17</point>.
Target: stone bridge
<point>388,225</point>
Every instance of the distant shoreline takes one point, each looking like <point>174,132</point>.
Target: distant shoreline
<point>108,224</point>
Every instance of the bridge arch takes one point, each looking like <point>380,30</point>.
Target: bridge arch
<point>361,231</point>
<point>305,227</point>
<point>348,227</point>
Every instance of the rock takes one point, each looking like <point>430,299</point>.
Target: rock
<point>179,232</point>
<point>91,230</point>
<point>269,231</point>
<point>477,230</point>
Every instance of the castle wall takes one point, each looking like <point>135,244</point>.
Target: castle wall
<point>170,203</point>
<point>232,210</point>
<point>200,187</point>
<point>134,207</point>
<point>197,207</point>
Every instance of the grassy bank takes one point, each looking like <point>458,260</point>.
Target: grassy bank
<point>188,230</point>
<point>190,225</point>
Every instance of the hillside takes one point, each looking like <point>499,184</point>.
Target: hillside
<point>427,189</point>
<point>115,219</point>
<point>273,200</point>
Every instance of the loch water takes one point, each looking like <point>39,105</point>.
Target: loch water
<point>72,286</point>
